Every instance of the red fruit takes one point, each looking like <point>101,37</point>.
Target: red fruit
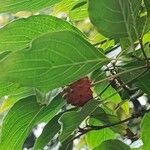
<point>79,92</point>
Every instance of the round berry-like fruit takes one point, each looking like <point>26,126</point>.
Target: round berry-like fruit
<point>79,92</point>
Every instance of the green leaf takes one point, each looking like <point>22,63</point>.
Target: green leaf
<point>136,67</point>
<point>79,11</point>
<point>6,88</point>
<point>147,4</point>
<point>27,5</point>
<point>145,124</point>
<point>79,4</point>
<point>146,38</point>
<point>137,148</point>
<point>22,117</point>
<point>20,33</point>
<point>65,6</point>
<point>113,145</point>
<point>115,18</point>
<point>3,55</point>
<point>53,60</point>
<point>95,138</point>
<point>14,97</point>
<point>98,75</point>
<point>67,144</point>
<point>70,121</point>
<point>109,118</point>
<point>147,25</point>
<point>143,83</point>
<point>49,131</point>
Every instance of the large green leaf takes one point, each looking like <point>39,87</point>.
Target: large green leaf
<point>145,131</point>
<point>115,18</point>
<point>95,138</point>
<point>25,5</point>
<point>49,131</point>
<point>22,117</point>
<point>70,121</point>
<point>20,33</point>
<point>53,60</point>
<point>113,145</point>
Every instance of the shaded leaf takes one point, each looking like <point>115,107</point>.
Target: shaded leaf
<point>79,11</point>
<point>3,55</point>
<point>108,118</point>
<point>143,83</point>
<point>49,131</point>
<point>147,4</point>
<point>115,18</point>
<point>81,3</point>
<point>70,121</point>
<point>67,144</point>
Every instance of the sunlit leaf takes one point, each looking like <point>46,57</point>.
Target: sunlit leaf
<point>31,5</point>
<point>53,60</point>
<point>79,13</point>
<point>145,131</point>
<point>95,138</point>
<point>20,33</point>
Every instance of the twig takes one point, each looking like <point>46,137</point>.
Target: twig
<point>118,74</point>
<point>86,130</point>
<point>105,88</point>
<point>92,128</point>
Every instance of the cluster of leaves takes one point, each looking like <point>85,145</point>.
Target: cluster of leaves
<point>42,54</point>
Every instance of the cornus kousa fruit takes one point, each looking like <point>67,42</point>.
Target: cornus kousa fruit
<point>79,92</point>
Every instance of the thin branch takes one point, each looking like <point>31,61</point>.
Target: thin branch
<point>118,74</point>
<point>134,116</point>
<point>92,128</point>
<point>105,89</point>
<point>86,130</point>
<point>119,89</point>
